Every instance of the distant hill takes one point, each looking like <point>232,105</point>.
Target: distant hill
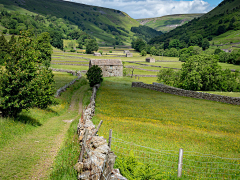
<point>108,26</point>
<point>168,23</point>
<point>222,19</point>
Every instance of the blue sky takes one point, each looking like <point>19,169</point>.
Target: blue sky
<point>155,8</point>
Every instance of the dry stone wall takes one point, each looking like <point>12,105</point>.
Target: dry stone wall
<point>96,160</point>
<point>187,93</point>
<point>74,73</point>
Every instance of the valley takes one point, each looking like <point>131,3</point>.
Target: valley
<point>149,127</point>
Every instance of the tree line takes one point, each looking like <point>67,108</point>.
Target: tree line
<point>201,73</point>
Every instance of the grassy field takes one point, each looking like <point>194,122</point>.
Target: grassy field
<point>30,142</point>
<point>166,123</point>
<point>166,23</point>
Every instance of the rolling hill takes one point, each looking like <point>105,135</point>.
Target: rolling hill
<point>168,23</point>
<point>108,26</point>
<point>222,19</point>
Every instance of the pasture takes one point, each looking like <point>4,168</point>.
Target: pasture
<point>154,125</point>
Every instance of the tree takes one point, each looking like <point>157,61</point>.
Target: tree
<point>45,48</point>
<point>205,44</point>
<point>91,46</point>
<point>12,40</point>
<point>175,43</point>
<point>143,53</point>
<point>94,75</point>
<point>25,82</point>
<point>168,76</point>
<point>201,72</point>
<point>139,45</point>
<point>4,48</point>
<point>56,39</point>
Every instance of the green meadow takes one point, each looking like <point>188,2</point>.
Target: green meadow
<point>30,142</point>
<point>154,125</point>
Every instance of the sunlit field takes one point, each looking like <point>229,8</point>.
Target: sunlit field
<point>143,118</point>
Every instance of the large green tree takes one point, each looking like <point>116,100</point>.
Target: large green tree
<point>91,46</point>
<point>94,75</point>
<point>25,82</point>
<point>4,48</point>
<point>202,72</point>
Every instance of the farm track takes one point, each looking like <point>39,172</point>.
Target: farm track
<point>40,147</point>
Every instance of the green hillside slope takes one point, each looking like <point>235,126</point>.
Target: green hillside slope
<point>225,17</point>
<point>106,25</point>
<point>168,23</point>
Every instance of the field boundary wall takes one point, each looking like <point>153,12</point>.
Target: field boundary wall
<point>187,93</point>
<point>96,160</point>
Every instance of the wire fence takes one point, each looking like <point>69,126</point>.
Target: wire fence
<point>195,165</point>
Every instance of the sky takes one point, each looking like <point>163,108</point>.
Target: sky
<point>138,9</point>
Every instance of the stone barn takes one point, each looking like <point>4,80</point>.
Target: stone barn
<point>97,54</point>
<point>126,51</point>
<point>150,60</point>
<point>110,67</point>
<point>129,55</point>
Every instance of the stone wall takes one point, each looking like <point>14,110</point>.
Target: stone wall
<point>74,73</point>
<point>96,160</point>
<point>187,93</point>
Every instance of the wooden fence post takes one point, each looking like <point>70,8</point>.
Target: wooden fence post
<point>110,139</point>
<point>83,146</point>
<point>180,162</point>
<point>99,125</point>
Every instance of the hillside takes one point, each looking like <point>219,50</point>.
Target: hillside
<point>224,18</point>
<point>106,25</point>
<point>168,23</point>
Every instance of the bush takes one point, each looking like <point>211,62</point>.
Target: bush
<point>110,51</point>
<point>143,53</point>
<point>100,52</point>
<point>184,57</point>
<point>94,75</point>
<point>168,76</point>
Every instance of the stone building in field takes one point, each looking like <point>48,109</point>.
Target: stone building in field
<point>129,55</point>
<point>110,67</point>
<point>150,60</point>
<point>126,51</point>
<point>97,54</point>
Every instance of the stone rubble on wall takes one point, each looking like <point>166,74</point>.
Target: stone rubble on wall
<point>74,73</point>
<point>98,159</point>
<point>187,93</point>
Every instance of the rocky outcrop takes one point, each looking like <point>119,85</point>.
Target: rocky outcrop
<point>96,160</point>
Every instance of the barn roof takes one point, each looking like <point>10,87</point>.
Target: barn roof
<point>106,62</point>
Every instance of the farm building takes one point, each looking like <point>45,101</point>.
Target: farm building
<point>110,67</point>
<point>150,60</point>
<point>97,54</point>
<point>129,55</point>
<point>126,51</point>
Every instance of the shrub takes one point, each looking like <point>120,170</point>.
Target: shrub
<point>94,75</point>
<point>110,51</point>
<point>143,53</point>
<point>100,52</point>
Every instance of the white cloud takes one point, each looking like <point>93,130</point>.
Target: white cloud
<point>151,8</point>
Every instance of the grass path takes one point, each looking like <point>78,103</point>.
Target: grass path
<point>32,155</point>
